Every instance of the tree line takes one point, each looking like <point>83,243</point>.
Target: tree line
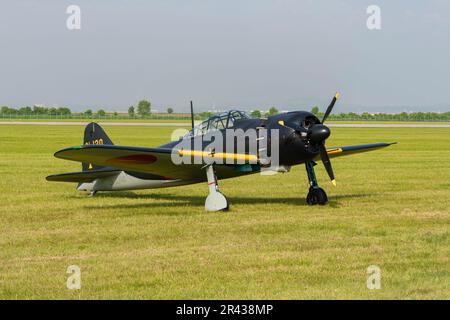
<point>366,116</point>
<point>379,116</point>
<point>144,107</point>
<point>36,110</point>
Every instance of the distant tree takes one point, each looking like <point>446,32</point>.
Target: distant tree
<point>272,111</point>
<point>202,115</point>
<point>143,108</point>
<point>169,110</point>
<point>25,110</point>
<point>88,113</point>
<point>101,113</point>
<point>64,111</point>
<point>131,112</point>
<point>403,116</point>
<point>7,110</point>
<point>255,114</point>
<point>39,110</point>
<point>115,114</point>
<point>353,116</point>
<point>315,110</point>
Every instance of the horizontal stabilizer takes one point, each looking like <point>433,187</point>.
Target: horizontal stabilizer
<point>83,176</point>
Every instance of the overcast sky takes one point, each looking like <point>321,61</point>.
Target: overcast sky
<point>244,53</point>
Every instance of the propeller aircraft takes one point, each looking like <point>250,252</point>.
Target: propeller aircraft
<point>291,138</point>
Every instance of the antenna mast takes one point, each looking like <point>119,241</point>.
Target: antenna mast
<point>192,115</point>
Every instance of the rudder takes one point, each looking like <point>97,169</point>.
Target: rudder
<point>94,134</point>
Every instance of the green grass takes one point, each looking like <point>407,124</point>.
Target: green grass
<point>391,209</point>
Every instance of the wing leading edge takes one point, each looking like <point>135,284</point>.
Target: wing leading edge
<point>350,150</point>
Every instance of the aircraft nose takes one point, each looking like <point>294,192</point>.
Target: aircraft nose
<point>319,133</point>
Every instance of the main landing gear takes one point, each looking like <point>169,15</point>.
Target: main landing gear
<point>316,195</point>
<point>215,201</point>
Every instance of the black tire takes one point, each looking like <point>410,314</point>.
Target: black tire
<point>310,199</point>
<point>316,196</point>
<point>322,198</point>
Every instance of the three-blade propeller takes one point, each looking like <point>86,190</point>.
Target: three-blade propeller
<point>317,134</point>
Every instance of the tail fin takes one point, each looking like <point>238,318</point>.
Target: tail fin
<point>94,134</point>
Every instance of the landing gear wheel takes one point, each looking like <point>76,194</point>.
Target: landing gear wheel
<point>216,201</point>
<point>316,196</point>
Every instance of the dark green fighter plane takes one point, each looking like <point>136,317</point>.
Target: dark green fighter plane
<point>226,145</point>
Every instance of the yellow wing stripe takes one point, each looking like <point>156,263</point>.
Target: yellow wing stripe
<point>334,151</point>
<point>234,156</point>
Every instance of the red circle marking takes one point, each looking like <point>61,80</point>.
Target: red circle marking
<point>135,159</point>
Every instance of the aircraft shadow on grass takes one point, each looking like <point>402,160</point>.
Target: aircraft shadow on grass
<point>198,201</point>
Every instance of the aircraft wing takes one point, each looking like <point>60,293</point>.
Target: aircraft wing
<point>158,161</point>
<point>350,150</point>
<point>154,161</point>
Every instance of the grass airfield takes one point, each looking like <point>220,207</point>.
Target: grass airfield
<point>390,209</point>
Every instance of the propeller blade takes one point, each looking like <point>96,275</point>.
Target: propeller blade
<point>326,162</point>
<point>330,107</point>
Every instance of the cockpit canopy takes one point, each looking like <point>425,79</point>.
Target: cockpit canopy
<point>223,120</point>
